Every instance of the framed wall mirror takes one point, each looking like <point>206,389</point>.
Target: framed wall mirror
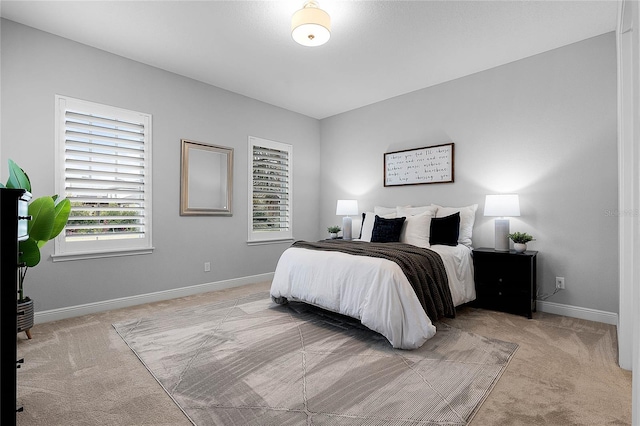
<point>206,182</point>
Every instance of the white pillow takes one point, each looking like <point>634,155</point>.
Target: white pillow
<point>367,224</point>
<point>379,210</point>
<point>415,230</point>
<point>467,219</point>
<point>407,211</point>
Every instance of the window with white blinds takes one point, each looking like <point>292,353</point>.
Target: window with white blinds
<point>104,169</point>
<point>270,195</point>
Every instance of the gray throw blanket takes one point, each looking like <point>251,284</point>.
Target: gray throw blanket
<point>423,268</point>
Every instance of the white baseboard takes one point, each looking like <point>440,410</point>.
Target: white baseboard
<point>578,312</point>
<point>107,305</point>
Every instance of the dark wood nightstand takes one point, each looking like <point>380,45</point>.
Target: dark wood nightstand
<point>505,281</point>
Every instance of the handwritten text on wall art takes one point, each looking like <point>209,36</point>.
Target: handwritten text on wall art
<point>432,164</point>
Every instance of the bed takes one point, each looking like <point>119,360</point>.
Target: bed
<point>375,290</point>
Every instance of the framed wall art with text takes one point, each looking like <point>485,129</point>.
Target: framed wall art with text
<point>431,164</point>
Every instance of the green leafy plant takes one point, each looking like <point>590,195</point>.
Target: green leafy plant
<point>334,229</point>
<point>49,215</point>
<point>520,237</point>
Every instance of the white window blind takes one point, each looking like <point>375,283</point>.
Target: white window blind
<point>270,196</point>
<point>104,169</point>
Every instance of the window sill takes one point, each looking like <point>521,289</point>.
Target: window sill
<point>263,242</point>
<point>101,254</point>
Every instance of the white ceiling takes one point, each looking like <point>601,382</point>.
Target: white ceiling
<point>377,50</point>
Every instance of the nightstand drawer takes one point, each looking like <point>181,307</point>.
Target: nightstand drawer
<point>504,289</point>
<point>501,270</point>
<point>505,299</point>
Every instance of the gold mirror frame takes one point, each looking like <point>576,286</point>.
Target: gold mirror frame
<point>206,181</point>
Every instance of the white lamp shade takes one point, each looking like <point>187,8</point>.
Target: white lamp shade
<point>347,207</point>
<point>502,205</point>
<point>311,26</point>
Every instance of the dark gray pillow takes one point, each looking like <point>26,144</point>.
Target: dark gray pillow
<point>445,230</point>
<point>387,230</point>
<point>363,216</point>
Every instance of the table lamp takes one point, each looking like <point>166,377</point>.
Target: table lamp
<point>502,205</point>
<point>346,208</point>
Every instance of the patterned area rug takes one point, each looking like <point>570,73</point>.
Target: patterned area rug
<point>252,362</point>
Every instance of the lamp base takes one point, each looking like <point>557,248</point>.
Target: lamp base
<point>346,228</point>
<point>502,235</point>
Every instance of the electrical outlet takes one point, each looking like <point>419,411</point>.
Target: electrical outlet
<point>207,266</point>
<point>560,283</point>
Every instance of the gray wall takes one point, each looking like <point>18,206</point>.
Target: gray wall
<point>37,65</point>
<point>543,127</point>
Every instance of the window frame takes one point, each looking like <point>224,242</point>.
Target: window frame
<point>262,237</point>
<point>65,250</point>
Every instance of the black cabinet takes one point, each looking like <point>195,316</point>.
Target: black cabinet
<point>10,199</point>
<point>505,281</point>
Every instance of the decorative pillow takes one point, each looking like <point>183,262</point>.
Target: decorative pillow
<point>387,230</point>
<point>413,211</point>
<point>467,219</point>
<point>381,211</point>
<point>368,220</point>
<point>445,230</point>
<point>362,225</point>
<point>416,230</point>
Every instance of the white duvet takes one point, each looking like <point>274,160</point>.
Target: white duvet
<point>373,290</point>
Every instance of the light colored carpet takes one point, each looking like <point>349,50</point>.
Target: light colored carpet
<point>249,361</point>
<point>78,371</point>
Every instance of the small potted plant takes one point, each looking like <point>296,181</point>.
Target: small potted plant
<point>333,231</point>
<point>520,240</point>
<point>49,215</point>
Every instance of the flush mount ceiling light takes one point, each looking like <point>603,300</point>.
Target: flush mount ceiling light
<point>311,26</point>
